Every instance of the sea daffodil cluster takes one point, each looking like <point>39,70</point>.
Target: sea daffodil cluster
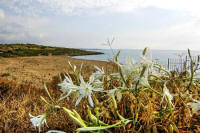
<point>134,79</point>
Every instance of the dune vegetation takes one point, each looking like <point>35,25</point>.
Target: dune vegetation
<point>131,97</point>
<point>18,50</point>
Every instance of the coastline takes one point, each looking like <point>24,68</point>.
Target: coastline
<point>27,50</point>
<point>91,53</point>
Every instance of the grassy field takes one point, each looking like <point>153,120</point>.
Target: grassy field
<point>36,70</point>
<point>18,50</point>
<point>147,109</point>
<point>21,85</point>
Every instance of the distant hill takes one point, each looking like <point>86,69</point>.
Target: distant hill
<point>17,50</point>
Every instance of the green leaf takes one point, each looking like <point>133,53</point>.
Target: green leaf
<point>49,96</point>
<point>73,117</point>
<point>73,67</point>
<point>80,69</point>
<point>78,117</point>
<point>43,99</point>
<point>86,129</point>
<point>94,118</point>
<point>117,56</point>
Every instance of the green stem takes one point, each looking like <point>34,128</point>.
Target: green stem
<point>115,107</point>
<point>155,91</point>
<point>72,116</point>
<point>191,70</point>
<point>157,66</point>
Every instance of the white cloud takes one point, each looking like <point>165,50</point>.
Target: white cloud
<point>178,36</point>
<point>74,7</point>
<point>78,6</point>
<point>188,6</point>
<point>2,15</point>
<point>32,30</point>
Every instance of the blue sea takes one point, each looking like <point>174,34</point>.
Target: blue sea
<point>159,56</point>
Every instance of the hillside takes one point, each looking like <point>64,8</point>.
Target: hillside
<point>19,50</point>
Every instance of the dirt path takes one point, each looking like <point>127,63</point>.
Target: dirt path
<point>39,69</point>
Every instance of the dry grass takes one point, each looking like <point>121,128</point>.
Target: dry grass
<point>20,91</point>
<point>17,100</point>
<point>39,69</point>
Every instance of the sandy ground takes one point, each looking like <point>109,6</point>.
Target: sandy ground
<point>39,69</point>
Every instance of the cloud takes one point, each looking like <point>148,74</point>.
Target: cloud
<point>176,37</point>
<point>32,30</point>
<point>38,16</point>
<point>78,7</point>
<point>188,6</point>
<point>70,7</point>
<point>2,15</point>
<point>81,6</point>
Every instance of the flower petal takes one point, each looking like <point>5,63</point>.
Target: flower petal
<point>45,121</point>
<point>90,101</point>
<point>31,115</point>
<point>63,97</point>
<point>82,80</point>
<point>78,101</point>
<point>91,79</point>
<point>194,105</point>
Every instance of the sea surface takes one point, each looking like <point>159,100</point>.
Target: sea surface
<point>159,56</point>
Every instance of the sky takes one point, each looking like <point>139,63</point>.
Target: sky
<point>134,24</point>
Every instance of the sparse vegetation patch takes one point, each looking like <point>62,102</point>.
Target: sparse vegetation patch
<point>18,50</point>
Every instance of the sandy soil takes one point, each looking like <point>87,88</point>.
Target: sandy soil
<point>39,69</point>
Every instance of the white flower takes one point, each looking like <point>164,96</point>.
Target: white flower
<point>85,90</point>
<point>115,92</point>
<point>99,73</point>
<point>98,83</point>
<point>146,60</point>
<point>166,95</point>
<point>67,87</point>
<point>158,72</point>
<point>195,106</point>
<point>143,81</point>
<point>129,68</point>
<point>37,121</point>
